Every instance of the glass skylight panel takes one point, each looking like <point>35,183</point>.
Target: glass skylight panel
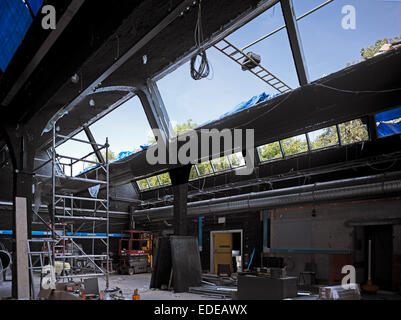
<point>295,145</point>
<point>323,138</point>
<point>270,151</point>
<point>353,131</point>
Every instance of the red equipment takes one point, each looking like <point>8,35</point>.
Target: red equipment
<point>135,252</point>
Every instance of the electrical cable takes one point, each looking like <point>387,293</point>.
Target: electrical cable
<point>355,91</point>
<point>203,69</point>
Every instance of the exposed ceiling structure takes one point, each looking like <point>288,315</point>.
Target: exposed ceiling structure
<point>107,62</point>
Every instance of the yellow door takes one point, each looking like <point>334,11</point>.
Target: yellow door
<point>223,243</point>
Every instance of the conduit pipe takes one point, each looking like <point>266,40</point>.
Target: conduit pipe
<point>345,189</point>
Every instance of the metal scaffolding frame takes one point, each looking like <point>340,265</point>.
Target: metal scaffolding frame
<point>67,208</point>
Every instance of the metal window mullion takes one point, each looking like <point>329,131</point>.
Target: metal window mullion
<point>213,168</point>
<point>308,142</point>
<point>197,171</point>
<point>282,149</point>
<point>339,134</point>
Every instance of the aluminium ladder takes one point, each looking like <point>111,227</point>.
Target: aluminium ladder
<point>238,56</point>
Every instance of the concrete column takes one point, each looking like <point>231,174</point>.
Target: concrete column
<point>179,178</point>
<point>20,145</point>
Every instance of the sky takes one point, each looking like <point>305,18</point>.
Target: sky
<point>327,48</point>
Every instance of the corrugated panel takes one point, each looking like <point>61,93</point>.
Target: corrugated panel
<point>15,21</point>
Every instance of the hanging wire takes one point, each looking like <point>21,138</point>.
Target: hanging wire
<point>199,70</point>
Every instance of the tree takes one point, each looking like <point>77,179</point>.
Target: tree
<point>350,132</point>
<point>369,52</point>
<point>270,151</point>
<point>111,156</point>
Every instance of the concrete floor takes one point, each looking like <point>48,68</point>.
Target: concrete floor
<point>127,284</point>
<point>141,282</point>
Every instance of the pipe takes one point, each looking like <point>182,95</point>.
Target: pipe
<point>319,192</point>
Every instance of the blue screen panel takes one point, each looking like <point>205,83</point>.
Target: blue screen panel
<point>15,21</point>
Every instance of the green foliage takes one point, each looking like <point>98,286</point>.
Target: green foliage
<point>328,137</point>
<point>237,160</point>
<point>179,128</point>
<point>153,181</point>
<point>192,174</point>
<point>111,155</point>
<point>294,145</point>
<point>353,131</point>
<point>270,151</point>
<point>143,184</point>
<point>165,178</point>
<point>204,168</point>
<point>221,164</point>
<point>369,52</point>
<point>188,125</point>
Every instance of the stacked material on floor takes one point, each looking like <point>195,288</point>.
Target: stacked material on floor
<point>213,279</point>
<point>216,286</point>
<point>275,273</point>
<point>343,292</point>
<point>214,291</point>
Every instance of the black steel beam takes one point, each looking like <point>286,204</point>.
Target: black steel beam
<point>179,178</point>
<point>92,140</point>
<point>295,41</point>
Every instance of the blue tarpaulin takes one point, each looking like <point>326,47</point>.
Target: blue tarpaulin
<point>247,104</point>
<point>15,20</point>
<point>387,129</point>
<point>35,5</point>
<point>389,115</point>
<point>250,103</point>
<point>243,105</point>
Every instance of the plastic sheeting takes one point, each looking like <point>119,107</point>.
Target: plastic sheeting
<point>15,20</point>
<point>35,5</point>
<point>247,104</point>
<point>389,115</point>
<point>388,129</point>
<point>242,106</point>
<point>93,191</point>
<point>250,103</point>
<point>387,124</point>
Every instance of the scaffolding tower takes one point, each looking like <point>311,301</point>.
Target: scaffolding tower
<point>68,210</point>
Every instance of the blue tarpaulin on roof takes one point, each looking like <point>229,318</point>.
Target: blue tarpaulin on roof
<point>15,20</point>
<point>35,5</point>
<point>384,126</point>
<point>388,129</point>
<point>250,103</point>
<point>247,104</point>
<point>388,115</point>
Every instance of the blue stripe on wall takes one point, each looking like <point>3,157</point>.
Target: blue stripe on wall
<point>46,233</point>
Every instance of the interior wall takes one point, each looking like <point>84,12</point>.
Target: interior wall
<point>324,238</point>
